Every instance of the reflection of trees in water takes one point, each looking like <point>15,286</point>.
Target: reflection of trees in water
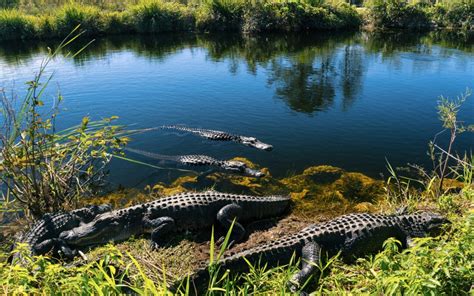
<point>305,86</point>
<point>307,70</point>
<point>307,80</point>
<point>352,67</point>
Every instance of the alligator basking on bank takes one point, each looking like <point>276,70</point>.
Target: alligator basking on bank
<point>204,160</point>
<point>352,235</point>
<point>186,211</point>
<point>222,136</point>
<point>43,235</point>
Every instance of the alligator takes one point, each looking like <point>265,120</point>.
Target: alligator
<point>351,236</point>
<point>222,136</point>
<point>185,211</point>
<point>204,160</point>
<point>43,235</point>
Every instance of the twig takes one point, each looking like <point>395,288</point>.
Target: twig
<point>453,157</point>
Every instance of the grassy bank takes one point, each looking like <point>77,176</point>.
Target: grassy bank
<point>433,266</point>
<point>152,16</point>
<point>155,16</point>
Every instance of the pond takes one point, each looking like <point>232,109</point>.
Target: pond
<point>350,100</point>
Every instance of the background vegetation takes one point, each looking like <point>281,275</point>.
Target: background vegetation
<point>21,19</point>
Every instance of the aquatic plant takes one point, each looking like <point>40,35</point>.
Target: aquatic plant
<point>43,169</point>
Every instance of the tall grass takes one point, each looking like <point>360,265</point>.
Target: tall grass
<point>16,25</point>
<point>155,16</point>
<point>151,16</point>
<point>68,17</point>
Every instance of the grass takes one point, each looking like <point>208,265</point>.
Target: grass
<point>47,20</point>
<point>433,266</point>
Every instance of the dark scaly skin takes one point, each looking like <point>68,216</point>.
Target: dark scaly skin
<point>204,160</point>
<point>42,236</point>
<point>186,211</point>
<point>353,235</point>
<point>222,136</point>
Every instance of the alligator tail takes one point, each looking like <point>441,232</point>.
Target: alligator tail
<point>152,155</point>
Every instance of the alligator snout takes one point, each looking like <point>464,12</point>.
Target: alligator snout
<point>263,146</point>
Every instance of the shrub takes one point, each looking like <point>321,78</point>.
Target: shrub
<point>46,170</point>
<point>220,15</point>
<point>460,15</point>
<point>16,25</point>
<point>291,16</point>
<point>117,23</point>
<point>71,15</point>
<point>151,16</point>
<point>398,14</point>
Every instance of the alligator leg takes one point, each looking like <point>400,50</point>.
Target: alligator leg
<point>54,245</point>
<point>161,226</point>
<point>226,216</point>
<point>311,254</point>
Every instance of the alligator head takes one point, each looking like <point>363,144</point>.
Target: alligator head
<point>424,223</point>
<point>235,165</point>
<point>254,142</point>
<point>112,226</point>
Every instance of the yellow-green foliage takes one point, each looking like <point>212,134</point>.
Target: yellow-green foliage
<point>108,275</point>
<point>152,16</point>
<point>220,15</point>
<point>155,16</point>
<point>69,16</point>
<point>15,25</point>
<point>433,266</point>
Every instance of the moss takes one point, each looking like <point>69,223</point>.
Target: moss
<point>323,174</point>
<point>182,184</point>
<point>358,187</point>
<point>119,199</point>
<point>365,207</point>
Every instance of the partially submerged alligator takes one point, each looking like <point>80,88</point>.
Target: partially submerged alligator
<point>43,235</point>
<point>184,211</point>
<point>352,235</point>
<point>222,136</point>
<point>204,160</point>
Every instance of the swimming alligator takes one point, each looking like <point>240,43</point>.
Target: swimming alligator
<point>204,160</point>
<point>186,211</point>
<point>43,235</point>
<point>222,136</point>
<point>352,235</point>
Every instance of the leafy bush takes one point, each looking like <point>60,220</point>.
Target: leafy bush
<point>47,170</point>
<point>291,16</point>
<point>15,25</point>
<point>220,15</point>
<point>151,16</point>
<point>456,15</point>
<point>398,14</point>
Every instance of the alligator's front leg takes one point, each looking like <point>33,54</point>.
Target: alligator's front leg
<point>161,227</point>
<point>226,216</point>
<point>56,245</point>
<point>310,255</point>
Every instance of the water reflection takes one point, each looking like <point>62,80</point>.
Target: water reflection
<point>304,69</point>
<point>349,93</point>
